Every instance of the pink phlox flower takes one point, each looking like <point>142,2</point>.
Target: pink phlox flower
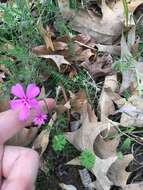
<point>40,118</point>
<point>25,100</point>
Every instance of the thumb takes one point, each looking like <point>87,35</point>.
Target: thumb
<point>10,123</point>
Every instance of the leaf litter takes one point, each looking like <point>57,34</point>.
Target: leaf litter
<point>103,46</point>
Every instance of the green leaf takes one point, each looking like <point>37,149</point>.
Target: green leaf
<point>126,144</point>
<point>119,155</point>
<point>59,142</point>
<point>126,11</point>
<point>87,159</point>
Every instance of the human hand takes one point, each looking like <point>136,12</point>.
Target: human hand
<point>18,165</point>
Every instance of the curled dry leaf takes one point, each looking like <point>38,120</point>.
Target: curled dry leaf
<point>100,67</point>
<point>85,55</point>
<point>84,137</point>
<point>134,4</point>
<point>115,97</point>
<point>46,34</point>
<point>106,104</point>
<point>58,59</point>
<point>78,100</point>
<point>106,148</point>
<point>2,76</point>
<point>117,172</point>
<point>41,142</point>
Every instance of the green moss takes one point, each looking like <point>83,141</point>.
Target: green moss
<point>87,159</point>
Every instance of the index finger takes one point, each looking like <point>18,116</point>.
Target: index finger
<point>10,124</point>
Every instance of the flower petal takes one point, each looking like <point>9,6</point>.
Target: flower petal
<point>18,91</point>
<point>32,91</point>
<point>34,104</point>
<point>24,114</point>
<point>39,119</point>
<point>14,104</point>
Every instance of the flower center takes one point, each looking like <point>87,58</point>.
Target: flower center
<point>25,102</point>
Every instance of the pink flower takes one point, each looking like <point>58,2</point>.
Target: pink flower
<point>26,101</point>
<point>40,119</point>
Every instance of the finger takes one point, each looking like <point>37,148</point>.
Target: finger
<point>10,123</point>
<point>20,167</point>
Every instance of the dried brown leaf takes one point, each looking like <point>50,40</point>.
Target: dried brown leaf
<point>46,34</point>
<point>85,55</point>
<point>100,170</point>
<point>136,186</point>
<point>117,172</point>
<point>40,50</point>
<point>60,45</point>
<point>132,112</point>
<point>78,100</point>
<point>84,137</point>
<point>106,148</point>
<point>105,29</point>
<point>106,104</point>
<point>111,49</point>
<point>41,142</point>
<point>101,67</point>
<point>58,59</point>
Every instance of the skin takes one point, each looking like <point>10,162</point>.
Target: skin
<point>18,165</point>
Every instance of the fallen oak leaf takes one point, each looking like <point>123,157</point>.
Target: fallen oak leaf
<point>106,104</point>
<point>128,75</point>
<point>77,100</point>
<point>82,38</point>
<point>99,169</point>
<point>84,137</point>
<point>117,172</point>
<point>135,186</point>
<point>103,29</point>
<point>85,55</point>
<point>132,6</point>
<point>104,148</point>
<point>58,59</point>
<point>111,49</point>
<point>41,142</point>
<point>100,67</point>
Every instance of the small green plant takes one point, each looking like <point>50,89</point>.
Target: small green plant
<point>126,94</point>
<point>59,142</point>
<point>87,159</point>
<point>126,144</point>
<point>123,64</point>
<point>120,155</point>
